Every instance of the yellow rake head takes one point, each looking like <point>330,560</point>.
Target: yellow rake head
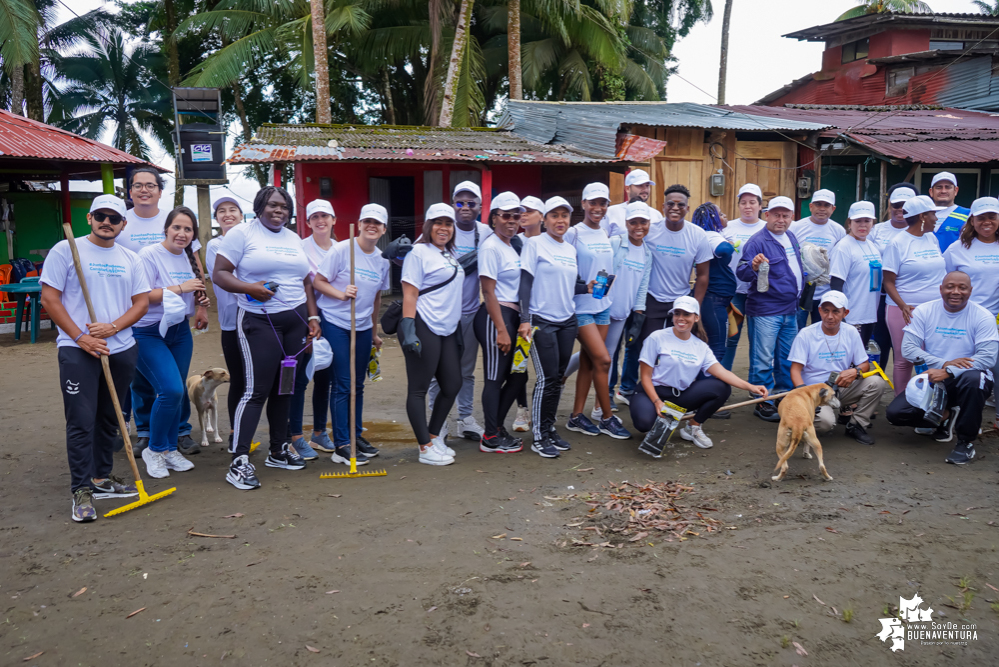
<point>353,472</point>
<point>144,499</point>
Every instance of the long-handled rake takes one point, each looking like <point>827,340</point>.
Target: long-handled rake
<point>353,391</point>
<point>144,498</point>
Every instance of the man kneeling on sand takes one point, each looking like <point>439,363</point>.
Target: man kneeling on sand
<point>827,347</point>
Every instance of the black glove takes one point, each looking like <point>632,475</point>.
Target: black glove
<point>397,250</point>
<point>634,329</point>
<point>407,336</point>
<point>470,261</point>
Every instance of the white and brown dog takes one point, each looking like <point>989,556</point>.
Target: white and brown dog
<point>201,389</point>
<point>797,424</point>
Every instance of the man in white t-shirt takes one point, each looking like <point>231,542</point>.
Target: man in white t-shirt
<point>638,186</point>
<point>827,347</point>
<point>821,230</point>
<point>119,293</point>
<point>737,232</point>
<point>958,342</point>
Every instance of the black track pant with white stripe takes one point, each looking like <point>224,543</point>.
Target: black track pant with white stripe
<point>262,357</point>
<point>237,374</point>
<point>501,387</point>
<point>551,351</point>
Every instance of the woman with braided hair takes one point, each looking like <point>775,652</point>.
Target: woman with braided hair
<point>165,351</point>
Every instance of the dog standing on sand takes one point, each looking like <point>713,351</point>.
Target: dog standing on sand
<point>201,390</point>
<point>797,424</point>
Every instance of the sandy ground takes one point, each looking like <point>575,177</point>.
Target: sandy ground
<point>404,570</point>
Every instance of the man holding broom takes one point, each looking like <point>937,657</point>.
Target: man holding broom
<point>120,292</point>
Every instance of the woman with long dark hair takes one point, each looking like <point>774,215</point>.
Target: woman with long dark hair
<point>721,279</point>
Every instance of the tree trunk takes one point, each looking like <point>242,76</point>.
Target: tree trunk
<point>389,105</point>
<point>17,90</point>
<point>173,72</point>
<point>319,50</point>
<point>431,102</point>
<point>33,95</point>
<point>454,65</point>
<point>241,111</point>
<point>723,65</point>
<point>514,71</point>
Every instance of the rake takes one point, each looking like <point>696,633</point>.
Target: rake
<point>144,498</point>
<point>353,391</point>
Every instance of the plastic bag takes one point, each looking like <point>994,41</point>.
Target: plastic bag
<point>816,263</point>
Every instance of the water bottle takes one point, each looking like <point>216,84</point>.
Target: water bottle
<point>763,277</point>
<point>600,287</point>
<point>874,352</point>
<point>919,366</point>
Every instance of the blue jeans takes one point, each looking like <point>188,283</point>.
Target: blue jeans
<point>629,369</point>
<point>339,340</point>
<point>714,319</point>
<point>165,362</point>
<point>732,344</point>
<point>322,383</point>
<point>770,338</point>
<point>140,402</point>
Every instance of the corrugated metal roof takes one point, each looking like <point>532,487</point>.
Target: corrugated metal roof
<point>25,138</point>
<point>827,30</point>
<point>592,127</point>
<point>297,143</point>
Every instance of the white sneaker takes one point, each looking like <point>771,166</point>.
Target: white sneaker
<point>597,414</point>
<point>621,398</point>
<point>520,423</point>
<point>441,446</point>
<point>176,461</point>
<point>696,435</point>
<point>155,463</point>
<point>470,429</point>
<point>434,456</point>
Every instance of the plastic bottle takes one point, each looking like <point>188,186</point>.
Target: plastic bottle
<point>374,365</point>
<point>600,287</point>
<point>919,366</point>
<point>763,277</point>
<point>874,352</point>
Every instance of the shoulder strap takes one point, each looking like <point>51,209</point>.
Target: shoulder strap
<point>428,290</point>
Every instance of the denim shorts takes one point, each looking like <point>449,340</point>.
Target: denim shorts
<point>603,317</point>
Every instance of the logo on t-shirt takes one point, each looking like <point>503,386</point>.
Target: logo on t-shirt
<point>951,333</point>
<point>282,250</point>
<point>367,274</point>
<point>991,259</point>
<point>671,250</point>
<point>684,356</point>
<point>148,238</point>
<point>106,269</point>
<point>929,253</point>
<point>632,265</point>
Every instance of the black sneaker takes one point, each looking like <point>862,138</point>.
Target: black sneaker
<point>945,432</point>
<point>83,506</point>
<point>342,455</point>
<point>722,414</point>
<point>767,412</point>
<point>139,444</point>
<point>558,442</point>
<point>858,433</point>
<point>963,453</point>
<point>242,474</point>
<point>366,448</point>
<point>187,446</point>
<point>491,444</point>
<point>545,449</point>
<point>287,458</point>
<point>515,444</point>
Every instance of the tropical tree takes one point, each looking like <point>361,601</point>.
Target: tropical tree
<point>886,6</point>
<point>986,8</point>
<point>319,49</point>
<point>19,22</point>
<point>514,70</point>
<point>457,62</point>
<point>723,65</point>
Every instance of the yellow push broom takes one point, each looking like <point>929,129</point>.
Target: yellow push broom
<point>144,498</point>
<point>353,391</point>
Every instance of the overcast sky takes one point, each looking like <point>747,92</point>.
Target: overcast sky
<point>760,61</point>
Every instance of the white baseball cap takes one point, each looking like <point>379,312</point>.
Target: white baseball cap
<point>985,205</point>
<point>943,176</point>
<point>687,304</point>
<point>467,186</point>
<point>638,177</point>
<point>319,206</point>
<point>901,194</point>
<point>781,202</point>
<point>439,211</point>
<point>836,298</point>
<point>596,191</point>
<point>861,209</point>
<point>109,202</point>
<point>225,200</point>
<point>919,204</point>
<point>827,196</point>
<point>505,201</point>
<point>374,212</point>
<point>556,202</point>
<point>637,209</point>
<point>750,189</point>
<point>532,203</point>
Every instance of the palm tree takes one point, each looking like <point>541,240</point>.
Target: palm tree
<point>986,8</point>
<point>19,23</point>
<point>514,72</point>
<point>886,6</point>
<point>109,88</point>
<point>723,65</point>
<point>319,49</point>
<point>457,62</point>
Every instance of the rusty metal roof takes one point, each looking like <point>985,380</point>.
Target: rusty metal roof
<point>933,136</point>
<point>882,20</point>
<point>22,137</point>
<point>314,142</point>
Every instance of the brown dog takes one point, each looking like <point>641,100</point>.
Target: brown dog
<point>797,423</point>
<point>201,390</point>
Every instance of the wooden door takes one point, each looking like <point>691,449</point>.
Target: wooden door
<point>769,164</point>
<point>684,170</point>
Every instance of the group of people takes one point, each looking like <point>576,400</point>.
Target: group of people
<point>656,302</point>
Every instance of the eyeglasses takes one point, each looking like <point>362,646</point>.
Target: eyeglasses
<point>507,217</point>
<point>113,218</point>
<point>139,187</point>
<point>466,204</point>
<point>674,204</point>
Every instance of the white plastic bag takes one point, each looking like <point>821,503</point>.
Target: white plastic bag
<point>919,392</point>
<point>816,262</point>
<point>174,311</point>
<point>322,357</point>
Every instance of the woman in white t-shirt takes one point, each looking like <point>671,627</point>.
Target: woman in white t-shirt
<point>672,362</point>
<point>595,260</point>
<point>321,219</point>
<point>262,262</point>
<point>855,269</point>
<point>530,225</point>
<point>228,214</point>
<point>428,331</point>
<point>165,355</point>
<point>496,322</point>
<point>913,270</point>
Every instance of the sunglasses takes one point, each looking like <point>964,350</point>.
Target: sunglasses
<point>113,218</point>
<point>507,217</point>
<point>466,204</point>
<point>898,205</point>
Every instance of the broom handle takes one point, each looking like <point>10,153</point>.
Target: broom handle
<point>352,420</point>
<point>68,231</point>
<point>690,415</point>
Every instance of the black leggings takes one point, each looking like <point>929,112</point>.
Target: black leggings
<point>237,374</point>
<point>501,387</point>
<point>262,357</point>
<point>440,359</point>
<point>705,395</point>
<point>866,331</point>
<point>656,317</point>
<point>551,351</point>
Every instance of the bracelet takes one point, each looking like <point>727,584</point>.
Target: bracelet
<point>82,334</point>
<point>115,328</point>
<point>314,317</point>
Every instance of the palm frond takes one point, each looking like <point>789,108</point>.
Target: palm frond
<point>227,65</point>
<point>639,81</point>
<point>576,76</point>
<point>19,22</point>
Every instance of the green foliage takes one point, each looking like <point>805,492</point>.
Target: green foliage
<point>886,6</point>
